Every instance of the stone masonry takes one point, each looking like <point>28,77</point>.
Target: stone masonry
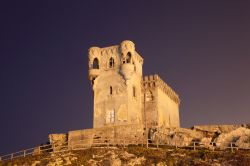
<point>126,104</point>
<point>122,96</point>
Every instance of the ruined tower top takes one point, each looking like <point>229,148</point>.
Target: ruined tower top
<point>121,57</point>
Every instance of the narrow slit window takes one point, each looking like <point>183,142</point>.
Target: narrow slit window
<point>110,90</point>
<point>134,92</point>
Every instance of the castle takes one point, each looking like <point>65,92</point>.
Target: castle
<point>126,104</point>
<point>122,96</point>
<point>130,109</point>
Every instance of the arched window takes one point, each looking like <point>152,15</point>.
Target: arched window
<point>96,64</point>
<point>111,62</point>
<point>110,90</point>
<point>128,57</point>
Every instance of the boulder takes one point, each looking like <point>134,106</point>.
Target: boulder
<point>239,137</point>
<point>58,141</point>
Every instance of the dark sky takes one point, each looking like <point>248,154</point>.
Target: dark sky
<point>200,48</point>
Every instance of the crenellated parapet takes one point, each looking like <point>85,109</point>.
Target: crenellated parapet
<point>155,81</point>
<point>122,57</point>
<point>103,54</point>
<point>112,50</point>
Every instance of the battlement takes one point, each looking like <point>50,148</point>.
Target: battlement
<point>119,50</point>
<point>98,52</point>
<point>156,81</point>
<point>109,50</point>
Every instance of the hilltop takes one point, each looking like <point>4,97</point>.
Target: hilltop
<point>136,155</point>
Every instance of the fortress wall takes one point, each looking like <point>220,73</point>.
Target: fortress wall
<point>150,110</point>
<point>106,103</point>
<point>155,80</point>
<point>109,134</point>
<point>168,111</point>
<point>134,100</point>
<point>164,107</point>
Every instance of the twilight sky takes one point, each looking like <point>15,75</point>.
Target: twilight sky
<point>201,49</point>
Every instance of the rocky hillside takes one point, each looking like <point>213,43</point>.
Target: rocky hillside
<point>136,155</point>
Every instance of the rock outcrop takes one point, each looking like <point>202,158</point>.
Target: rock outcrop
<point>216,136</point>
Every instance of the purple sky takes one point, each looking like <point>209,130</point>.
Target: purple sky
<point>201,49</point>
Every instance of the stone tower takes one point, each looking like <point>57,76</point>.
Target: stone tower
<point>116,74</point>
<point>122,96</point>
<point>126,104</point>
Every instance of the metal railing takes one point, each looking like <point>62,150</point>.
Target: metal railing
<point>89,143</point>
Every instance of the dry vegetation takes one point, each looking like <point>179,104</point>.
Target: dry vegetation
<point>137,155</point>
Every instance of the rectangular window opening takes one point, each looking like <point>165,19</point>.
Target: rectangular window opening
<point>134,92</point>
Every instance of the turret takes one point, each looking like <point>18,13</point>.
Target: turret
<point>94,55</point>
<point>127,57</point>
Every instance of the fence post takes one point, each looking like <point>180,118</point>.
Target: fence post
<point>54,148</point>
<point>0,158</point>
<point>39,150</point>
<point>11,157</point>
<point>24,153</point>
<point>147,143</point>
<point>231,145</point>
<point>194,145</point>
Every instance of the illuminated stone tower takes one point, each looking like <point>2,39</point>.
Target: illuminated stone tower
<point>122,96</point>
<point>116,73</point>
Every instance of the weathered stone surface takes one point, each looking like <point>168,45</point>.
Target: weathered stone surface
<point>240,136</point>
<point>123,134</point>
<point>221,138</point>
<point>59,141</point>
<point>217,128</point>
<point>175,136</point>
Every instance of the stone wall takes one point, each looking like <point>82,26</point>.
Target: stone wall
<point>161,103</point>
<point>168,111</point>
<point>113,134</point>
